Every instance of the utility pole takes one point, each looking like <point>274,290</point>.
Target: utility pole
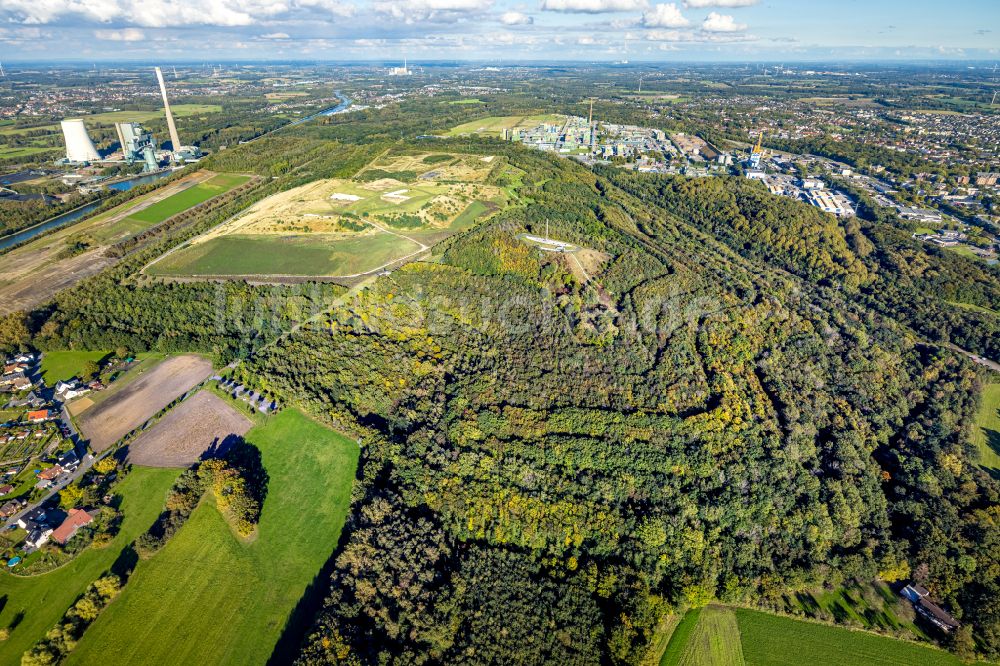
<point>2,73</point>
<point>994,101</point>
<point>640,85</point>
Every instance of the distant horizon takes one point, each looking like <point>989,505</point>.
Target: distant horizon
<point>984,63</point>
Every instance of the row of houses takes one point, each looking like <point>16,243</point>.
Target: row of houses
<point>16,373</point>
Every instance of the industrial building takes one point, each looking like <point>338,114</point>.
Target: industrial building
<point>137,145</point>
<point>79,147</point>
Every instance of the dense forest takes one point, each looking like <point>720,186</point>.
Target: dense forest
<point>698,420</point>
<point>738,398</point>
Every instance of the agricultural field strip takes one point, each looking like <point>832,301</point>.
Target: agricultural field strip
<point>187,431</point>
<point>132,406</point>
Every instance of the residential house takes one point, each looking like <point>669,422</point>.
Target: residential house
<point>33,519</point>
<point>10,508</point>
<point>68,390</point>
<point>6,490</point>
<point>38,537</point>
<point>41,415</point>
<point>51,473</point>
<point>920,597</point>
<point>76,519</point>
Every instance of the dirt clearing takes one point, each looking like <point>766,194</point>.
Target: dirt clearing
<point>134,404</point>
<point>202,424</point>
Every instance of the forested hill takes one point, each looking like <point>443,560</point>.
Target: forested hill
<point>557,454</point>
<point>875,261</point>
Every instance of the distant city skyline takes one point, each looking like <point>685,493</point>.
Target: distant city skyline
<point>588,30</point>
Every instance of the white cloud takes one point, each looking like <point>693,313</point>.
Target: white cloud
<point>411,11</point>
<point>163,13</point>
<point>701,4</point>
<point>695,36</point>
<point>516,18</point>
<point>594,6</point>
<point>124,35</point>
<point>716,22</point>
<point>665,15</point>
<point>275,35</point>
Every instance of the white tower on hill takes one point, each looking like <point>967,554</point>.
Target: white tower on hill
<point>79,147</point>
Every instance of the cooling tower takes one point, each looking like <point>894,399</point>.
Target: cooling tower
<point>170,118</point>
<point>79,147</point>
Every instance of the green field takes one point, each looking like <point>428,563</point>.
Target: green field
<point>496,124</point>
<point>715,636</point>
<point>209,598</point>
<point>772,640</point>
<point>986,432</point>
<point>40,601</point>
<point>309,254</point>
<point>188,198</point>
<point>58,366</point>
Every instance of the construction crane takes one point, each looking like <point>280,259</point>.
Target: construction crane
<point>757,154</point>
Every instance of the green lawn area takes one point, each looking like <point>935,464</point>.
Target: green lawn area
<point>718,635</point>
<point>472,212</point>
<point>40,601</point>
<point>470,100</point>
<point>209,598</point>
<point>679,639</point>
<point>58,366</point>
<point>188,198</point>
<point>986,432</point>
<point>308,254</point>
<point>772,640</point>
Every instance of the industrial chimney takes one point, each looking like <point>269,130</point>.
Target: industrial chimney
<point>79,147</point>
<point>174,139</point>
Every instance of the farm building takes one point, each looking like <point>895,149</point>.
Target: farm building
<point>920,597</point>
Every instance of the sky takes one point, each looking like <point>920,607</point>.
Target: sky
<point>511,30</point>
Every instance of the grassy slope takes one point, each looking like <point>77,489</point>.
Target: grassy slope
<point>313,254</point>
<point>44,599</point>
<point>986,432</point>
<point>679,639</point>
<point>772,640</point>
<point>715,640</point>
<point>62,365</point>
<point>188,198</point>
<point>208,598</point>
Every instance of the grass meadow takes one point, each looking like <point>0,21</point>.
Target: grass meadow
<point>58,366</point>
<point>209,597</point>
<point>986,431</point>
<point>721,636</point>
<point>188,198</point>
<point>304,254</point>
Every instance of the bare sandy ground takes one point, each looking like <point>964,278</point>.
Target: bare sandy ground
<point>201,425</point>
<point>132,406</point>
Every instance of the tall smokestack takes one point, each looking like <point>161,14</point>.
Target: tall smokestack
<point>174,139</point>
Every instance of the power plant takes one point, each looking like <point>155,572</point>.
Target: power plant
<point>79,147</point>
<point>181,153</point>
<point>137,145</point>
